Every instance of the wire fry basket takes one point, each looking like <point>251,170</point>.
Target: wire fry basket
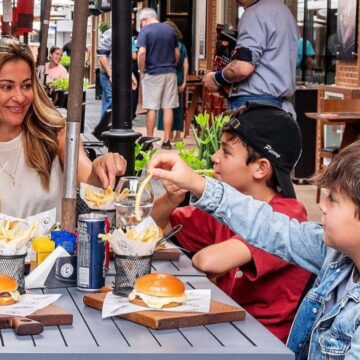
<point>127,270</point>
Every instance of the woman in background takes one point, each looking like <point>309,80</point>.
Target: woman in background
<point>182,73</point>
<point>53,69</point>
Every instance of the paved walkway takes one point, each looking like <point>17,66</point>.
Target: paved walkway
<point>92,117</point>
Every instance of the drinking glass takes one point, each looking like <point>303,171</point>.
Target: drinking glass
<point>125,195</point>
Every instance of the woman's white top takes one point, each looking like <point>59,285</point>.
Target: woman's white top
<point>26,196</point>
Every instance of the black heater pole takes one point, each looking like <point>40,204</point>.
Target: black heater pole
<point>121,138</point>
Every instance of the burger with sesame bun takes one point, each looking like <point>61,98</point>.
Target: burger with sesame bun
<point>8,290</point>
<point>158,291</point>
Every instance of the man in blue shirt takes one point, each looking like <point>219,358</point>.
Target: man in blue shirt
<point>158,56</point>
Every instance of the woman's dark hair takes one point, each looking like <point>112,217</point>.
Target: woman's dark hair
<point>54,48</point>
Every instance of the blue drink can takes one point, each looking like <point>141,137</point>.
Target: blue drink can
<point>90,252</point>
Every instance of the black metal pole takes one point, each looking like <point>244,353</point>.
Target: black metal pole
<point>74,111</point>
<point>44,29</point>
<point>121,138</point>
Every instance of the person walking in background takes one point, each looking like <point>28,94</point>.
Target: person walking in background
<point>53,69</point>
<point>67,47</point>
<point>135,76</point>
<point>263,67</point>
<point>158,56</point>
<point>182,73</point>
<point>105,57</point>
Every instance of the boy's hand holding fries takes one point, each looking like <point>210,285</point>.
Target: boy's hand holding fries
<point>172,168</point>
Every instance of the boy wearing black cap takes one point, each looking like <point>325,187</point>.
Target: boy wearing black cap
<point>259,147</point>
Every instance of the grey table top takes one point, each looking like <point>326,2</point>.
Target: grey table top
<point>91,337</point>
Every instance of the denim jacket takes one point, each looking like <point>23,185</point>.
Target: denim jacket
<point>317,332</point>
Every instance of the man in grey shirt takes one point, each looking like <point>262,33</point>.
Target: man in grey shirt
<point>263,67</point>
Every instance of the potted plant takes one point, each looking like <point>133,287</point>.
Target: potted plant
<point>207,138</point>
<point>59,88</point>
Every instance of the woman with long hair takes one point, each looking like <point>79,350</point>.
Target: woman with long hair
<point>32,140</point>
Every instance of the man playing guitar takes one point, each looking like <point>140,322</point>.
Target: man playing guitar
<point>263,65</point>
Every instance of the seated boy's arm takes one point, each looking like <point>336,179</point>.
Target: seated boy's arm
<point>222,257</point>
<point>299,243</point>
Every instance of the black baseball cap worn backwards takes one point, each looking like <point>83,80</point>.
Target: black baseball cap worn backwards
<point>275,135</point>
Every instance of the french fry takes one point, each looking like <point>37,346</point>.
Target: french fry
<point>99,198</point>
<point>12,232</point>
<point>138,212</point>
<point>123,194</point>
<point>205,171</point>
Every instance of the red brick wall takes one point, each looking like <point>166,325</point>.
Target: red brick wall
<point>347,72</point>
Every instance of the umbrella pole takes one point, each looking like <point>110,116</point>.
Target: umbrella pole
<point>45,15</point>
<point>121,138</point>
<point>74,111</point>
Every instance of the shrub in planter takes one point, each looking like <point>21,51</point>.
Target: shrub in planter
<point>207,138</point>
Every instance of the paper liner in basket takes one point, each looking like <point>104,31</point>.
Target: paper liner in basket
<point>138,241</point>
<point>16,234</point>
<point>97,198</point>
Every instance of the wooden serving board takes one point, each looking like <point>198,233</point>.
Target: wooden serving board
<point>219,313</point>
<point>34,324</point>
<point>166,254</point>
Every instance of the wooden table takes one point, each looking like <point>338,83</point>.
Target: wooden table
<point>195,85</point>
<point>351,121</point>
<point>90,337</point>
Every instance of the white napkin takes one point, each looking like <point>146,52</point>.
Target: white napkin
<point>197,301</point>
<point>28,304</point>
<point>37,278</point>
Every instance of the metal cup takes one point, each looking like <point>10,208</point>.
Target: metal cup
<point>127,270</point>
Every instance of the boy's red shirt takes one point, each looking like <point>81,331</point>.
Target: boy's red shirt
<point>269,288</point>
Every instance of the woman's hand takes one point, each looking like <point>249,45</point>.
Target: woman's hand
<point>107,167</point>
<point>172,168</point>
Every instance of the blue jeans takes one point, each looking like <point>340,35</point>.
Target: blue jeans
<point>237,101</point>
<point>106,93</point>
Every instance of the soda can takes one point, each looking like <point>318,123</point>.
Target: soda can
<point>90,252</point>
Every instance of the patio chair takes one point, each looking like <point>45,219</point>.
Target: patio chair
<point>328,152</point>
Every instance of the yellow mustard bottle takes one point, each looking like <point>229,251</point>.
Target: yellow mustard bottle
<point>43,246</point>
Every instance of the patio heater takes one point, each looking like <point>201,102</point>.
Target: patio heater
<point>121,138</point>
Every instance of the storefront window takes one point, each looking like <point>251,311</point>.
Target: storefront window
<point>317,44</point>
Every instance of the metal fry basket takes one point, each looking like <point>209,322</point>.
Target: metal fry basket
<point>127,270</point>
<point>14,266</point>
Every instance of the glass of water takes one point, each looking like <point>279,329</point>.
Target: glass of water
<point>125,195</point>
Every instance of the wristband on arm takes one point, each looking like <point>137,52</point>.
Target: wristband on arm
<point>221,79</point>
